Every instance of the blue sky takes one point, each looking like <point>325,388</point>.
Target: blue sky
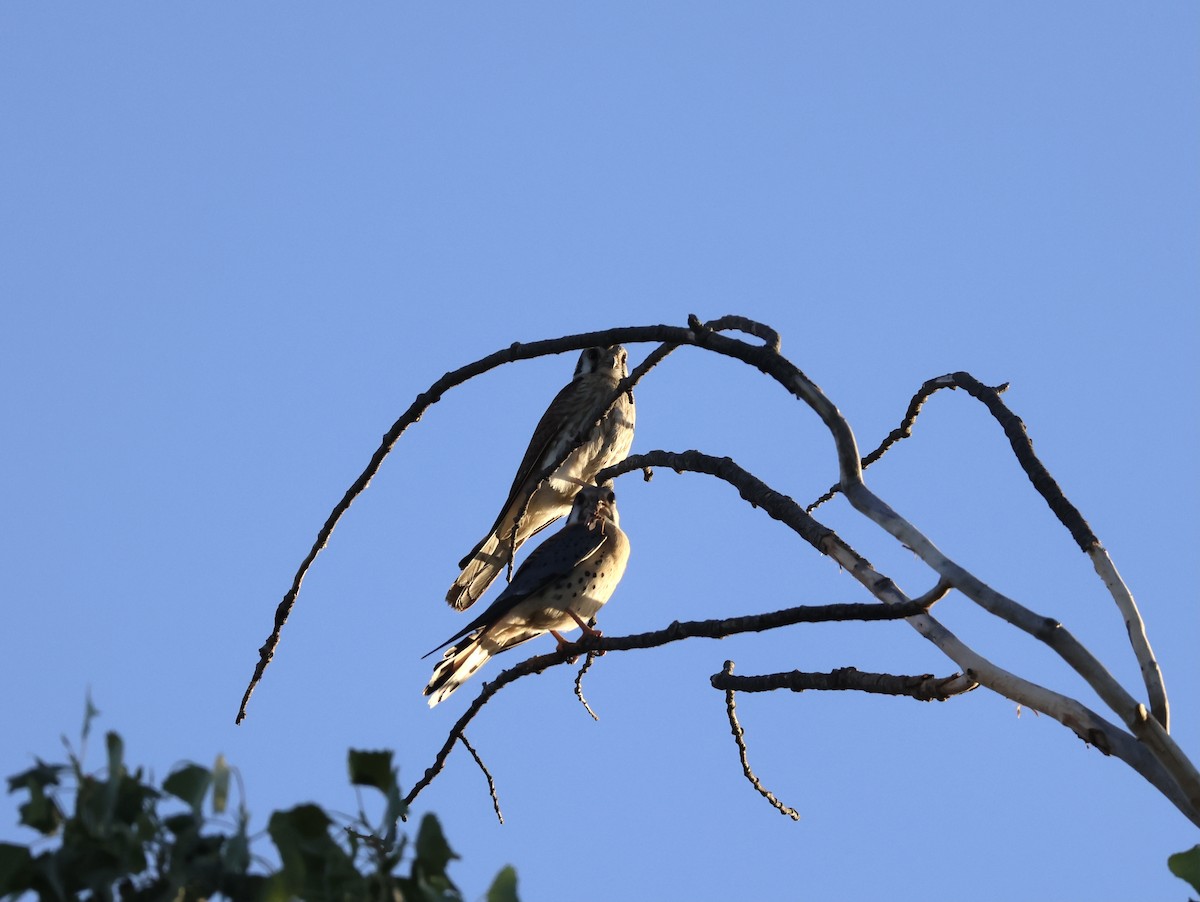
<point>236,243</point>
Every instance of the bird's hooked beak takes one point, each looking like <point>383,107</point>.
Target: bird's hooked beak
<point>605,510</point>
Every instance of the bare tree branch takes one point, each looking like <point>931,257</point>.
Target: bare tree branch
<point>924,688</point>
<point>901,432</point>
<point>739,735</point>
<point>1081,532</point>
<point>1051,632</point>
<point>1158,760</point>
<point>487,775</point>
<point>677,631</point>
<point>670,336</point>
<point>1063,510</point>
<point>587,664</point>
<point>1149,750</point>
<point>866,502</point>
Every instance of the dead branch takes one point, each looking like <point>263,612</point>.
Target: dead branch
<point>1051,632</point>
<point>1070,517</point>
<point>670,336</point>
<point>587,664</point>
<point>924,688</point>
<point>1147,747</point>
<point>901,432</point>
<point>1155,757</point>
<point>1066,513</point>
<point>676,632</point>
<point>739,735</point>
<point>487,775</point>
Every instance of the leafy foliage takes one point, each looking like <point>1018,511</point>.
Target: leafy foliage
<point>124,839</point>
<point>1184,865</point>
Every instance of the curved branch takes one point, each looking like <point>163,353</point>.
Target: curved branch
<point>587,665</point>
<point>487,775</point>
<point>1159,760</point>
<point>1070,517</point>
<point>866,502</point>
<point>739,735</point>
<point>1014,429</point>
<point>929,388</point>
<point>1051,632</point>
<point>699,335</point>
<point>1065,512</point>
<point>677,631</point>
<point>1182,779</point>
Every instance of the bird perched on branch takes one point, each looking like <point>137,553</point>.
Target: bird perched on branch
<point>561,585</point>
<point>574,409</point>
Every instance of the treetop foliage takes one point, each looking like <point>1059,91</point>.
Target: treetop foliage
<point>113,835</point>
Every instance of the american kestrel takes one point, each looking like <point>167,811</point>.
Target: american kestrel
<point>596,376</point>
<point>561,585</point>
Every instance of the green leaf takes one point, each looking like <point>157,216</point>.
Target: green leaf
<point>131,798</point>
<point>189,783</point>
<point>314,866</point>
<point>375,769</point>
<point>41,812</point>
<point>106,802</point>
<point>90,713</point>
<point>504,887</point>
<point>116,754</point>
<point>298,833</point>
<point>183,824</point>
<point>220,796</point>
<point>41,776</point>
<point>1186,866</point>
<point>304,823</point>
<point>433,852</point>
<point>236,855</point>
<point>16,869</point>
<point>371,769</point>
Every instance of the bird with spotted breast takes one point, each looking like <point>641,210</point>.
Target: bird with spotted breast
<point>560,586</point>
<point>573,409</point>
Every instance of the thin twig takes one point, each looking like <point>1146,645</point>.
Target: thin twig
<point>901,432</point>
<point>587,663</point>
<point>739,738</point>
<point>487,773</point>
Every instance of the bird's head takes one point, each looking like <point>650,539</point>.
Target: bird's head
<point>612,360</point>
<point>594,504</point>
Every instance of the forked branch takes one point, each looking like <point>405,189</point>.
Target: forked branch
<point>670,336</point>
<point>675,632</point>
<point>1155,757</point>
<point>1066,513</point>
<point>1144,743</point>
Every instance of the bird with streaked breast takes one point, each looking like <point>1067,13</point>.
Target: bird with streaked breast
<point>597,374</point>
<point>560,586</point>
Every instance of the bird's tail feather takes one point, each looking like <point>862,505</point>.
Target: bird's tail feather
<point>479,569</point>
<point>455,669</point>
